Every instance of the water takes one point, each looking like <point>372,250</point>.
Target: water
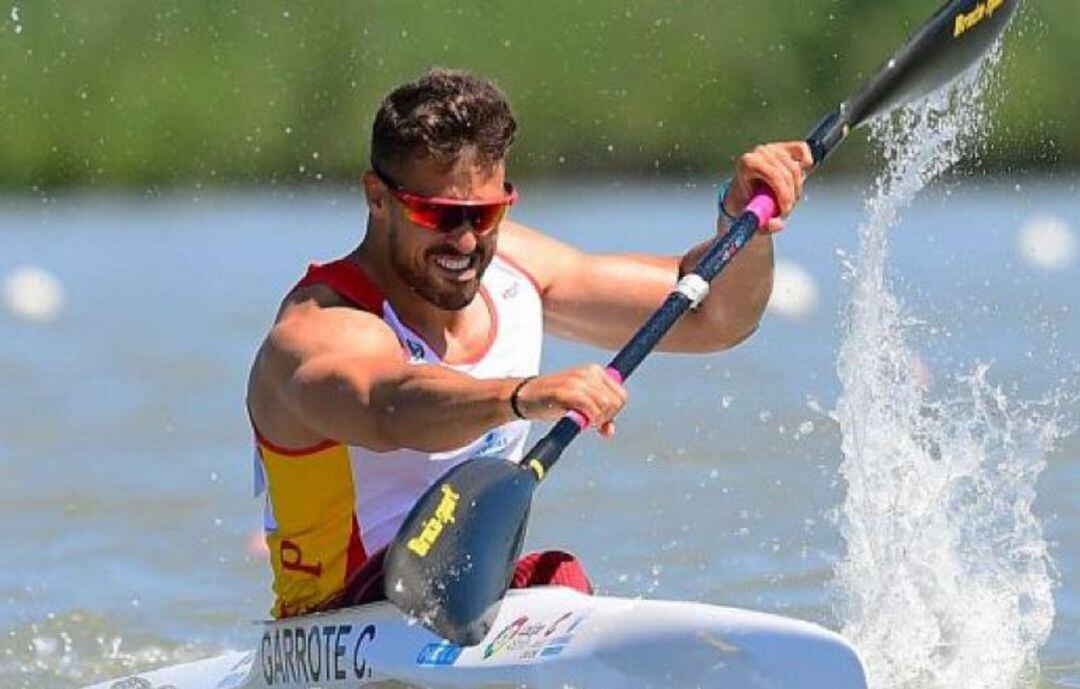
<point>948,579</point>
<point>125,456</point>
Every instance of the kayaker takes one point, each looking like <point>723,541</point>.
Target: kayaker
<point>421,347</point>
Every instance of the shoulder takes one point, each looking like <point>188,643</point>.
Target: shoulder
<point>314,320</point>
<point>314,323</point>
<point>314,329</point>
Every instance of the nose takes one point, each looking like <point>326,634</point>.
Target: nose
<point>463,239</point>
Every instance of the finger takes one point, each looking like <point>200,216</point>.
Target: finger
<point>602,393</point>
<point>774,226</point>
<point>763,166</point>
<point>611,394</point>
<point>608,407</point>
<point>607,430</point>
<point>587,407</point>
<point>616,389</point>
<point>800,151</point>
<point>620,395</point>
<point>792,157</point>
<point>585,417</point>
<point>772,173</point>
<point>792,176</point>
<point>795,176</point>
<point>615,405</point>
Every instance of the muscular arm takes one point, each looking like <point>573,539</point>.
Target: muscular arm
<point>338,373</point>
<point>603,299</point>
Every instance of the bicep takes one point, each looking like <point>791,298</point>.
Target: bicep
<point>334,395</point>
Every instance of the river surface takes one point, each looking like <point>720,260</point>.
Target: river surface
<point>125,452</point>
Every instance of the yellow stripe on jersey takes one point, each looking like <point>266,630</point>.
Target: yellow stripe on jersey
<point>312,497</point>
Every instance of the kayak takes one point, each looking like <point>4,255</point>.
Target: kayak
<point>543,637</point>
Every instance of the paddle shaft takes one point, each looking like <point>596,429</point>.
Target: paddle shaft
<point>953,39</point>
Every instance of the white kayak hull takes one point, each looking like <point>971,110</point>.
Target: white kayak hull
<point>543,637</point>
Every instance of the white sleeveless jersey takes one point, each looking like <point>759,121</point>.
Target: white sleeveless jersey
<point>388,484</point>
<point>330,506</point>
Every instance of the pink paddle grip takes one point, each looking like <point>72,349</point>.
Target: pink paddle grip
<point>577,417</point>
<point>763,205</point>
<point>580,419</point>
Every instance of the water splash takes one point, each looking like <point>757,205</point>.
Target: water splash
<point>947,581</point>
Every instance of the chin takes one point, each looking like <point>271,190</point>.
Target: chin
<point>450,299</point>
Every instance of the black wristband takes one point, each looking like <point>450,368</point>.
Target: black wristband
<point>514,396</point>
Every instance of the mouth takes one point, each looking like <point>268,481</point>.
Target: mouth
<point>457,267</point>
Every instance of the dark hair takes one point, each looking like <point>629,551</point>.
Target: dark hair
<point>441,114</point>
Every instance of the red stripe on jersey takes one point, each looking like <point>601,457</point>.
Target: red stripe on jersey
<point>356,554</point>
<point>289,452</point>
<point>348,280</point>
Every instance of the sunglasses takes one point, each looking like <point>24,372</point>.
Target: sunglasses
<point>446,215</point>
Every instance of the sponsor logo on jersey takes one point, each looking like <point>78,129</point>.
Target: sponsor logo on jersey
<point>416,351</point>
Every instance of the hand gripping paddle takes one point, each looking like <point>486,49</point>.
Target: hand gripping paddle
<point>452,560</point>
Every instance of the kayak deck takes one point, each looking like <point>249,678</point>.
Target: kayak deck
<point>543,637</point>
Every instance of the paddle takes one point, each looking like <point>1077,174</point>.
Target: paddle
<point>452,560</point>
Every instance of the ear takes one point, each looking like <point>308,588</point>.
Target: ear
<point>376,194</point>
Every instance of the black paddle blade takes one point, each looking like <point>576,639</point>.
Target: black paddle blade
<point>955,38</point>
<point>453,557</point>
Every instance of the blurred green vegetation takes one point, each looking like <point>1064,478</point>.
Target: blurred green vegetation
<point>150,93</point>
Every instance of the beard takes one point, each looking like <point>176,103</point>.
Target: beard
<point>429,281</point>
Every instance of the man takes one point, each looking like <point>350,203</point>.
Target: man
<point>421,347</point>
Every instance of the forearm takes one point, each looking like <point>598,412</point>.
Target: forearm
<point>434,408</point>
<point>391,406</point>
<point>737,297</point>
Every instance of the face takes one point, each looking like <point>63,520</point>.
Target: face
<point>443,268</point>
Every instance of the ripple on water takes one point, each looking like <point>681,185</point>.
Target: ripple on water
<point>76,648</point>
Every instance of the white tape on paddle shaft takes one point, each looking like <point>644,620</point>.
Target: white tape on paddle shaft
<point>693,287</point>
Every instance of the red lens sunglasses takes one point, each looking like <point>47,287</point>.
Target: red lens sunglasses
<point>446,215</point>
